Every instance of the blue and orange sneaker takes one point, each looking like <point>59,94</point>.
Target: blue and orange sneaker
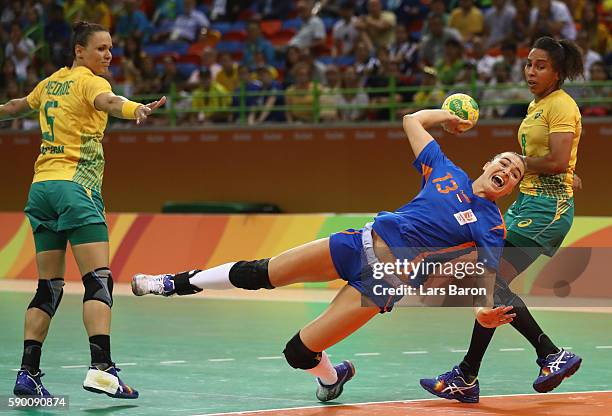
<point>345,371</point>
<point>108,382</point>
<point>30,385</point>
<point>452,386</point>
<point>554,369</point>
<point>153,284</point>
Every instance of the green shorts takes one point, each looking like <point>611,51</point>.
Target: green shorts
<point>537,221</point>
<point>61,211</point>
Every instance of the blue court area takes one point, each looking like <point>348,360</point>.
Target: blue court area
<point>200,356</point>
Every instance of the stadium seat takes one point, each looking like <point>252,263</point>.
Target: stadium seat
<point>237,26</point>
<point>235,35</point>
<point>294,24</point>
<point>345,60</point>
<point>329,23</point>
<point>159,49</point>
<point>188,59</point>
<point>270,28</point>
<point>222,27</point>
<point>326,60</point>
<point>185,68</point>
<point>230,46</point>
<point>282,37</point>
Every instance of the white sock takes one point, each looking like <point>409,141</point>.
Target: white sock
<point>325,371</point>
<point>215,278</point>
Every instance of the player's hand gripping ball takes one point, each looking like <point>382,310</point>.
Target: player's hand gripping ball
<point>463,106</point>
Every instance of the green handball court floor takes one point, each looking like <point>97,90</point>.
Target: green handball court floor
<point>199,356</point>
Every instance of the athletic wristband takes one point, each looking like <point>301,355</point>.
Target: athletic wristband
<point>128,110</point>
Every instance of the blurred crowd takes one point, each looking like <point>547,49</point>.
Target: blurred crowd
<point>303,61</point>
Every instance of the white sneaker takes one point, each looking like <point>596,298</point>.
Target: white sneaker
<point>108,382</point>
<point>149,284</point>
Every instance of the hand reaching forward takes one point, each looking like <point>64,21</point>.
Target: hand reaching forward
<point>143,111</point>
<point>494,317</point>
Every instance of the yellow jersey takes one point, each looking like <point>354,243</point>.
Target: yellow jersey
<point>72,129</point>
<point>555,113</point>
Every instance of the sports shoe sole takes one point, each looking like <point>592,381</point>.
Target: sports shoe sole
<point>554,381</point>
<point>135,290</point>
<point>114,396</point>
<point>341,388</point>
<point>21,392</point>
<point>447,397</point>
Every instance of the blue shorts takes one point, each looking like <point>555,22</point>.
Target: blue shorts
<point>351,262</point>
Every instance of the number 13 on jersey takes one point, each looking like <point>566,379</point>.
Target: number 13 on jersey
<point>448,188</point>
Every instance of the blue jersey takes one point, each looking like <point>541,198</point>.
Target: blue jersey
<point>445,217</point>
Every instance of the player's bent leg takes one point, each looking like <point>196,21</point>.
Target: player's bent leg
<point>309,262</point>
<point>306,349</point>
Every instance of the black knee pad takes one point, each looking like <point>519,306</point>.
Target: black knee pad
<point>251,275</point>
<point>48,295</point>
<point>99,286</point>
<point>299,356</point>
<point>504,296</point>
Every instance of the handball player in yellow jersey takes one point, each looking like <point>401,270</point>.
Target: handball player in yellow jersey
<point>65,204</point>
<point>538,221</point>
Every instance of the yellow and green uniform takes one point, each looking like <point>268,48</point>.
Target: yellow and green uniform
<point>544,210</point>
<point>65,195</point>
<point>555,113</point>
<point>72,128</point>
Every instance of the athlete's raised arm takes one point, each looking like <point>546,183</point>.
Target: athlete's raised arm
<point>121,107</point>
<point>415,126</point>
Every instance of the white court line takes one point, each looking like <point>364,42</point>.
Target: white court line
<point>603,347</point>
<point>173,362</point>
<point>276,357</point>
<point>125,364</point>
<point>74,366</point>
<point>568,348</point>
<point>459,350</point>
<point>218,360</point>
<point>365,354</point>
<point>391,401</point>
<point>415,352</point>
<point>511,349</point>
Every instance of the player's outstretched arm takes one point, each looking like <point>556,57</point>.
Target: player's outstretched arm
<point>121,107</point>
<point>415,126</point>
<point>14,108</point>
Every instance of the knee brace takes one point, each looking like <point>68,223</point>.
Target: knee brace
<point>48,295</point>
<point>299,356</point>
<point>503,295</point>
<point>251,275</point>
<point>99,286</point>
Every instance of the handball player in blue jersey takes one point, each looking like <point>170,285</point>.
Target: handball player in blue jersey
<point>450,214</point>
